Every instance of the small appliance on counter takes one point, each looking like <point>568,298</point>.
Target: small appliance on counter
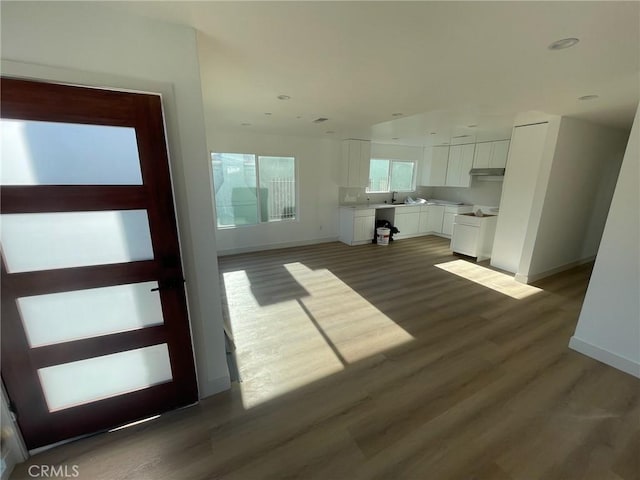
<point>473,232</point>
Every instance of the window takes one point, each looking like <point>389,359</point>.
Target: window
<point>250,189</point>
<point>391,175</point>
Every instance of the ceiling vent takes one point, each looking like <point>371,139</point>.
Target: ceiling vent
<point>320,120</point>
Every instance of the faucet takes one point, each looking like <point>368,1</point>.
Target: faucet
<point>393,197</point>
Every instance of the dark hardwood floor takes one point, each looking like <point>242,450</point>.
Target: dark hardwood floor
<point>390,362</point>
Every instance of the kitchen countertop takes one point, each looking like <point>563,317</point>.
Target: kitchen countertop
<point>364,206</point>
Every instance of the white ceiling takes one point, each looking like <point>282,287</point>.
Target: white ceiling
<point>443,65</point>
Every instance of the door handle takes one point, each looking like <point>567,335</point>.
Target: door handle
<point>173,283</point>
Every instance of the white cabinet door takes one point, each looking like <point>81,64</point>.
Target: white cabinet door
<point>465,239</point>
<point>434,166</point>
<point>363,228</point>
<point>364,159</point>
<point>435,218</point>
<point>447,223</point>
<point>482,156</point>
<point>407,223</point>
<point>423,224</point>
<point>499,153</point>
<point>354,168</point>
<point>354,163</point>
<point>466,164</point>
<point>439,164</point>
<point>460,162</point>
<point>518,192</point>
<point>454,167</point>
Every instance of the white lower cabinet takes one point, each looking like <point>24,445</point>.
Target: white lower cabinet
<point>423,224</point>
<point>465,239</point>
<point>363,228</point>
<point>447,223</point>
<point>450,211</point>
<point>473,235</point>
<point>407,221</point>
<point>356,225</point>
<point>435,215</point>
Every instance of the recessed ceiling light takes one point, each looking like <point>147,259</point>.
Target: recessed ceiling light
<point>267,113</point>
<point>284,97</point>
<point>563,43</point>
<point>397,114</point>
<point>588,97</point>
<point>245,124</point>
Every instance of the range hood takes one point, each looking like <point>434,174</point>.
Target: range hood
<point>487,172</point>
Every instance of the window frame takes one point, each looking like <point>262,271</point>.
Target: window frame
<point>389,170</point>
<point>256,157</point>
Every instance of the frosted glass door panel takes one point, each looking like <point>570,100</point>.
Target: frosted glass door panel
<point>66,316</point>
<point>43,241</point>
<point>77,383</point>
<point>51,153</point>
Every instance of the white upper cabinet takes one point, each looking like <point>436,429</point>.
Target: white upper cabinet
<point>460,162</point>
<point>434,167</point>
<point>491,154</point>
<point>354,167</point>
<point>482,155</point>
<point>499,154</point>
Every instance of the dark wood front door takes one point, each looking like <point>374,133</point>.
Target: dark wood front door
<point>95,332</point>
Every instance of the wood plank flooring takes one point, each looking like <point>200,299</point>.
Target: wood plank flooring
<point>393,362</point>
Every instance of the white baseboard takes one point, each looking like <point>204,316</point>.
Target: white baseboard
<point>275,246</point>
<point>519,277</point>
<point>605,356</point>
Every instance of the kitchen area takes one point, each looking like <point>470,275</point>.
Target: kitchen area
<point>531,194</point>
<point>456,194</point>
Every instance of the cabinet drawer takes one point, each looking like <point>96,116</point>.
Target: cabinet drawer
<point>403,210</point>
<point>366,212</point>
<point>458,209</point>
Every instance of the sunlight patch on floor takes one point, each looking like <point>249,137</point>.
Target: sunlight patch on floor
<point>286,344</point>
<point>497,281</point>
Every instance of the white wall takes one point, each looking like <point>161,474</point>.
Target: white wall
<point>88,43</point>
<point>609,324</point>
<point>577,198</point>
<point>481,192</point>
<point>316,161</point>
